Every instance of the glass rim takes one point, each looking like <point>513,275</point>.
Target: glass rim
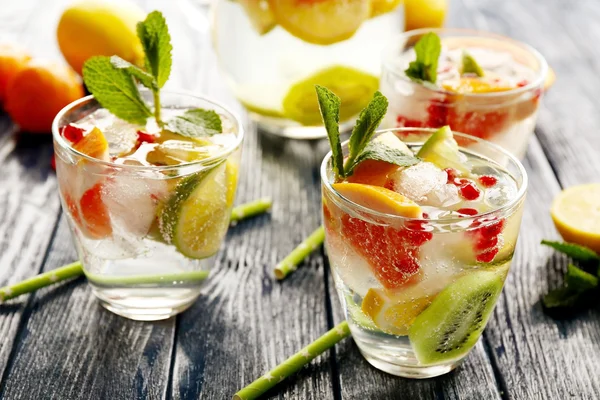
<point>206,161</point>
<point>537,82</point>
<point>355,206</point>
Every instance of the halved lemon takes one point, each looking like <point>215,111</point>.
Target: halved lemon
<point>321,21</point>
<point>379,199</point>
<point>354,88</point>
<point>576,215</point>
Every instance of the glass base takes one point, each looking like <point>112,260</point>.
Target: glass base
<point>409,371</point>
<point>146,304</point>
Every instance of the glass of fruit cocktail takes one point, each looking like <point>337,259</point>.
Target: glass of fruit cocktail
<point>147,207</point>
<point>420,233</point>
<point>273,52</point>
<point>478,83</point>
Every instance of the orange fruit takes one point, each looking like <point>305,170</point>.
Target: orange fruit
<point>12,60</point>
<point>38,92</point>
<point>93,144</point>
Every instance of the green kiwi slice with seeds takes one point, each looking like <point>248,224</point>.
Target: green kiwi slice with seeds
<point>452,324</point>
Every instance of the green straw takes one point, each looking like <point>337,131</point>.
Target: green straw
<point>75,269</point>
<point>294,363</point>
<point>290,263</point>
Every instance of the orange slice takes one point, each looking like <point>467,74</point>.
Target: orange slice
<point>94,145</point>
<point>475,85</point>
<point>393,313</point>
<point>379,199</point>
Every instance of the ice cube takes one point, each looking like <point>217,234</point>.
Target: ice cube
<point>444,196</point>
<point>121,136</point>
<point>418,181</point>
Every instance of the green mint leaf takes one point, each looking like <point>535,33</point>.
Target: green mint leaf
<point>381,152</point>
<point>139,74</point>
<point>196,123</point>
<point>561,298</point>
<point>115,90</point>
<point>470,66</point>
<point>428,50</point>
<point>156,41</point>
<point>329,105</point>
<point>368,120</point>
<point>578,279</point>
<point>575,251</point>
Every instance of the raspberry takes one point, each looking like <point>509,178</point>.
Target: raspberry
<point>469,191</point>
<point>487,180</point>
<point>467,211</point>
<point>72,133</point>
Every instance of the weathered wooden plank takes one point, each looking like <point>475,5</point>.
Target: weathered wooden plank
<point>72,348</point>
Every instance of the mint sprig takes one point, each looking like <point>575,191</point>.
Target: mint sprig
<point>470,66</point>
<point>115,90</point>
<point>424,68</point>
<point>113,81</point>
<point>360,146</point>
<point>580,286</point>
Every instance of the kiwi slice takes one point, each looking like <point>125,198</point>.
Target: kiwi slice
<point>452,324</point>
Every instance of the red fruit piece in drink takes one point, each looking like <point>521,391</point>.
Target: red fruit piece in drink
<point>404,122</point>
<point>72,133</point>
<point>467,211</point>
<point>467,189</point>
<point>487,180</point>
<point>437,113</point>
<point>144,137</point>
<point>94,213</point>
<point>478,123</point>
<point>486,240</point>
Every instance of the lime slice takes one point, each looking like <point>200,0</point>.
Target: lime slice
<point>262,99</point>
<point>442,150</point>
<point>321,22</point>
<point>260,15</point>
<point>379,7</point>
<point>196,216</point>
<point>355,88</point>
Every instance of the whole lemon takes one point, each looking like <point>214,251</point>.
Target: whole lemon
<point>38,92</point>
<point>91,28</point>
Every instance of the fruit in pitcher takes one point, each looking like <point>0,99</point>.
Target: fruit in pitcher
<point>452,324</point>
<point>321,21</point>
<point>12,60</point>
<point>353,87</point>
<point>91,27</point>
<point>38,92</point>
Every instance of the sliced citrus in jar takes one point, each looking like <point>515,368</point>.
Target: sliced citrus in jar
<point>321,21</point>
<point>260,15</point>
<point>576,215</point>
<point>442,150</point>
<point>391,313</point>
<point>354,88</point>
<point>424,14</point>
<point>196,216</point>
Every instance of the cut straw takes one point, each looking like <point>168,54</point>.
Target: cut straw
<point>290,263</point>
<point>294,363</point>
<point>75,269</point>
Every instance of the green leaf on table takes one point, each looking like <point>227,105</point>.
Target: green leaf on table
<point>139,74</point>
<point>563,297</point>
<point>156,41</point>
<point>428,50</point>
<point>329,105</point>
<point>381,152</point>
<point>470,66</point>
<point>368,121</point>
<point>579,280</point>
<point>196,123</point>
<point>115,90</point>
<point>575,251</point>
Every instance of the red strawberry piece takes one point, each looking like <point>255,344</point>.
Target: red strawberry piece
<point>467,211</point>
<point>392,252</point>
<point>487,180</point>
<point>72,133</point>
<point>469,191</point>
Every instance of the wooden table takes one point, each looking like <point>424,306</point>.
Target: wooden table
<point>60,344</point>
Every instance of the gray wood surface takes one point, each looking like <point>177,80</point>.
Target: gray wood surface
<point>60,344</point>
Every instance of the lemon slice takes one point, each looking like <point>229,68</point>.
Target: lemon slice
<point>576,215</point>
<point>424,14</point>
<point>196,216</point>
<point>442,150</point>
<point>379,199</point>
<point>354,88</point>
<point>321,22</point>
<point>393,313</point>
<point>379,7</point>
<point>260,15</point>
